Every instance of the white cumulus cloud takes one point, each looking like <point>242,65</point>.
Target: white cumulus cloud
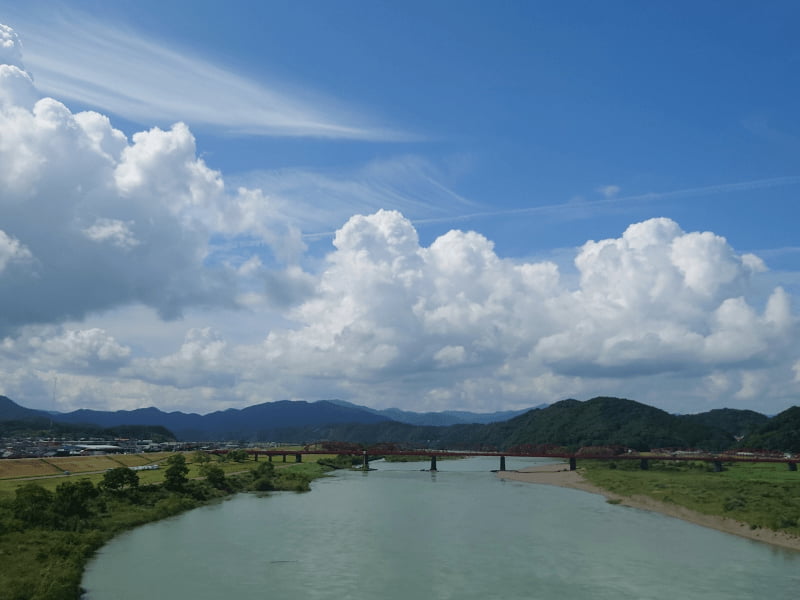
<point>654,302</point>
<point>110,221</point>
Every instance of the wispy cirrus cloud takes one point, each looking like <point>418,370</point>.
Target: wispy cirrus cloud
<point>564,208</point>
<point>319,201</point>
<point>118,70</point>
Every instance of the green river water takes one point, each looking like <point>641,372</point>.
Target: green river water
<point>401,533</point>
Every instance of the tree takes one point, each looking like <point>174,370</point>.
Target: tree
<point>214,475</point>
<point>73,499</point>
<point>33,504</point>
<point>237,455</point>
<point>117,480</point>
<point>200,457</point>
<point>175,475</point>
<point>263,477</point>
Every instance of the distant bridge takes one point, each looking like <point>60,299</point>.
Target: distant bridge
<point>717,459</point>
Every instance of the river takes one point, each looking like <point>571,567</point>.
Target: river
<point>461,533</point>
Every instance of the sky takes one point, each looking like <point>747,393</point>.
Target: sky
<point>426,205</point>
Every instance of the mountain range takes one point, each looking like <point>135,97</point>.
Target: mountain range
<point>257,422</point>
<point>601,421</point>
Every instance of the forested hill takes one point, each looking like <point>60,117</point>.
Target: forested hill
<point>600,421</point>
<point>781,432</point>
<point>605,421</point>
<point>11,411</point>
<point>734,421</point>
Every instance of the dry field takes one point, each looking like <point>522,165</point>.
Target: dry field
<point>133,460</point>
<point>84,464</point>
<point>36,467</point>
<point>16,471</point>
<point>25,467</point>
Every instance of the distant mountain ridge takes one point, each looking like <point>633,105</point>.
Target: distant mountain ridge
<point>259,421</point>
<point>600,421</point>
<point>443,418</point>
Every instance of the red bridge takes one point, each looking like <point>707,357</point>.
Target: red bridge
<point>583,454</point>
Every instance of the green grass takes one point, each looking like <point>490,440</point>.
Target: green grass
<point>760,494</point>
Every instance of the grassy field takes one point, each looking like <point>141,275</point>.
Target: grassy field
<point>761,494</point>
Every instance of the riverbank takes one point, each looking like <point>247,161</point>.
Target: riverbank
<point>50,528</point>
<point>560,475</point>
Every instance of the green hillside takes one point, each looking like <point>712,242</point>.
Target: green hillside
<point>600,421</point>
<point>605,421</point>
<point>781,432</point>
<point>734,421</point>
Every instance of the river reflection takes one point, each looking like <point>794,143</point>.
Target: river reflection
<point>461,533</point>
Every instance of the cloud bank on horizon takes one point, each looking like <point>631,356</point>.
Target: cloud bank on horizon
<point>106,238</point>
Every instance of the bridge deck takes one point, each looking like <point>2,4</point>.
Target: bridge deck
<point>467,453</point>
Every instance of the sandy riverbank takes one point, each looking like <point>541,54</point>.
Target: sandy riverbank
<point>560,475</point>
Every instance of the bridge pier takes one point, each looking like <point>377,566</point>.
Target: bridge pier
<point>298,458</point>
<point>433,463</point>
<point>269,456</point>
<point>573,463</point>
<point>365,464</point>
<point>255,454</point>
<point>717,466</point>
<point>284,458</point>
<point>644,464</point>
<point>502,463</point>
<point>792,466</point>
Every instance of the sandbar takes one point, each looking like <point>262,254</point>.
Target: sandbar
<point>558,474</point>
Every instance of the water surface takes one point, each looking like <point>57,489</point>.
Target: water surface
<point>401,533</point>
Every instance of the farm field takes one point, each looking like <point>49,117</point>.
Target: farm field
<point>26,467</point>
<point>50,472</point>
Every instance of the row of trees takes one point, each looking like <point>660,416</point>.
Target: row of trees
<point>74,504</point>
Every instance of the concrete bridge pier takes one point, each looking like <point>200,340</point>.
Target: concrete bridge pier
<point>717,466</point>
<point>573,463</point>
<point>792,466</point>
<point>256,455</point>
<point>298,458</point>
<point>433,463</point>
<point>365,464</point>
<point>644,464</point>
<point>284,458</point>
<point>502,463</point>
<point>269,456</point>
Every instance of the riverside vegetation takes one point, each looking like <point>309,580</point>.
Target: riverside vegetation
<point>762,495</point>
<point>51,527</point>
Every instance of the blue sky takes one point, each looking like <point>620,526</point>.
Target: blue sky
<point>539,126</point>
